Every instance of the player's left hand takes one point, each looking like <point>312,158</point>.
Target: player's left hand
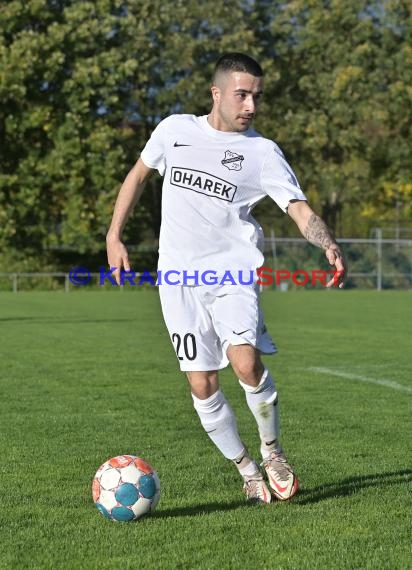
<point>335,257</point>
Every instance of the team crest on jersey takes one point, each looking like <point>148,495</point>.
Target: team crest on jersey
<point>233,161</point>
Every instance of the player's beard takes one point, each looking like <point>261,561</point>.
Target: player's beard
<point>236,124</point>
<point>245,121</point>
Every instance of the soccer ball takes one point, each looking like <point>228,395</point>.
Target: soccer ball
<point>125,488</point>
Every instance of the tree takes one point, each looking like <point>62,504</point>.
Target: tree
<point>340,103</point>
<point>82,86</point>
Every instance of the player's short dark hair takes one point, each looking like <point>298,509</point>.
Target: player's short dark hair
<point>235,61</point>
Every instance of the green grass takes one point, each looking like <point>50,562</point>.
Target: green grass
<point>89,375</point>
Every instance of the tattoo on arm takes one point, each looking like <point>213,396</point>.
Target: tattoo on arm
<point>318,233</point>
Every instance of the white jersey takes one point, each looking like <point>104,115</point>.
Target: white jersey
<point>212,181</point>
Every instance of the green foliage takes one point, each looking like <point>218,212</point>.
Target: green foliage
<point>83,84</point>
<point>339,97</point>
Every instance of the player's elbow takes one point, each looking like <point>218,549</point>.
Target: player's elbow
<point>300,212</point>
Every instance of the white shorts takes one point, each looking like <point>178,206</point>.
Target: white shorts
<point>203,321</point>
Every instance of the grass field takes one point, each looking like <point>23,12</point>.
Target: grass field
<point>89,375</point>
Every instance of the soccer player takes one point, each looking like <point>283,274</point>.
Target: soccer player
<point>216,168</point>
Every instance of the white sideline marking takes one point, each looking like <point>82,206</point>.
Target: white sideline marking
<point>361,378</point>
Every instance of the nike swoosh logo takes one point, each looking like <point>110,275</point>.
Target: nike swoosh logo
<point>241,332</point>
<point>178,144</point>
<point>278,487</point>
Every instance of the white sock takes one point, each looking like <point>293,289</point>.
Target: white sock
<point>219,422</point>
<point>263,403</point>
<point>246,465</point>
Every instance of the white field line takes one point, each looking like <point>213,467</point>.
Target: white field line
<point>360,378</point>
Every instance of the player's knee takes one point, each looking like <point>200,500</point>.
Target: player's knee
<point>249,371</point>
<point>246,363</point>
<point>266,385</point>
<point>203,384</point>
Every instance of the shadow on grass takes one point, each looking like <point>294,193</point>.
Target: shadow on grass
<point>351,485</point>
<point>344,488</point>
<point>198,510</point>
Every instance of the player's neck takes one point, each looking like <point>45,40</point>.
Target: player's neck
<point>219,124</point>
<point>215,121</point>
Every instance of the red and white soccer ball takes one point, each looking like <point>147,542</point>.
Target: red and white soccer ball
<point>125,488</point>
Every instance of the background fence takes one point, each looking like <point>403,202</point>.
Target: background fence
<point>374,263</point>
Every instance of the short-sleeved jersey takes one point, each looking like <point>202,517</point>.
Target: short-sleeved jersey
<point>212,181</point>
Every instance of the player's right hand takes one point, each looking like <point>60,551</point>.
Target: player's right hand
<point>117,256</point>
